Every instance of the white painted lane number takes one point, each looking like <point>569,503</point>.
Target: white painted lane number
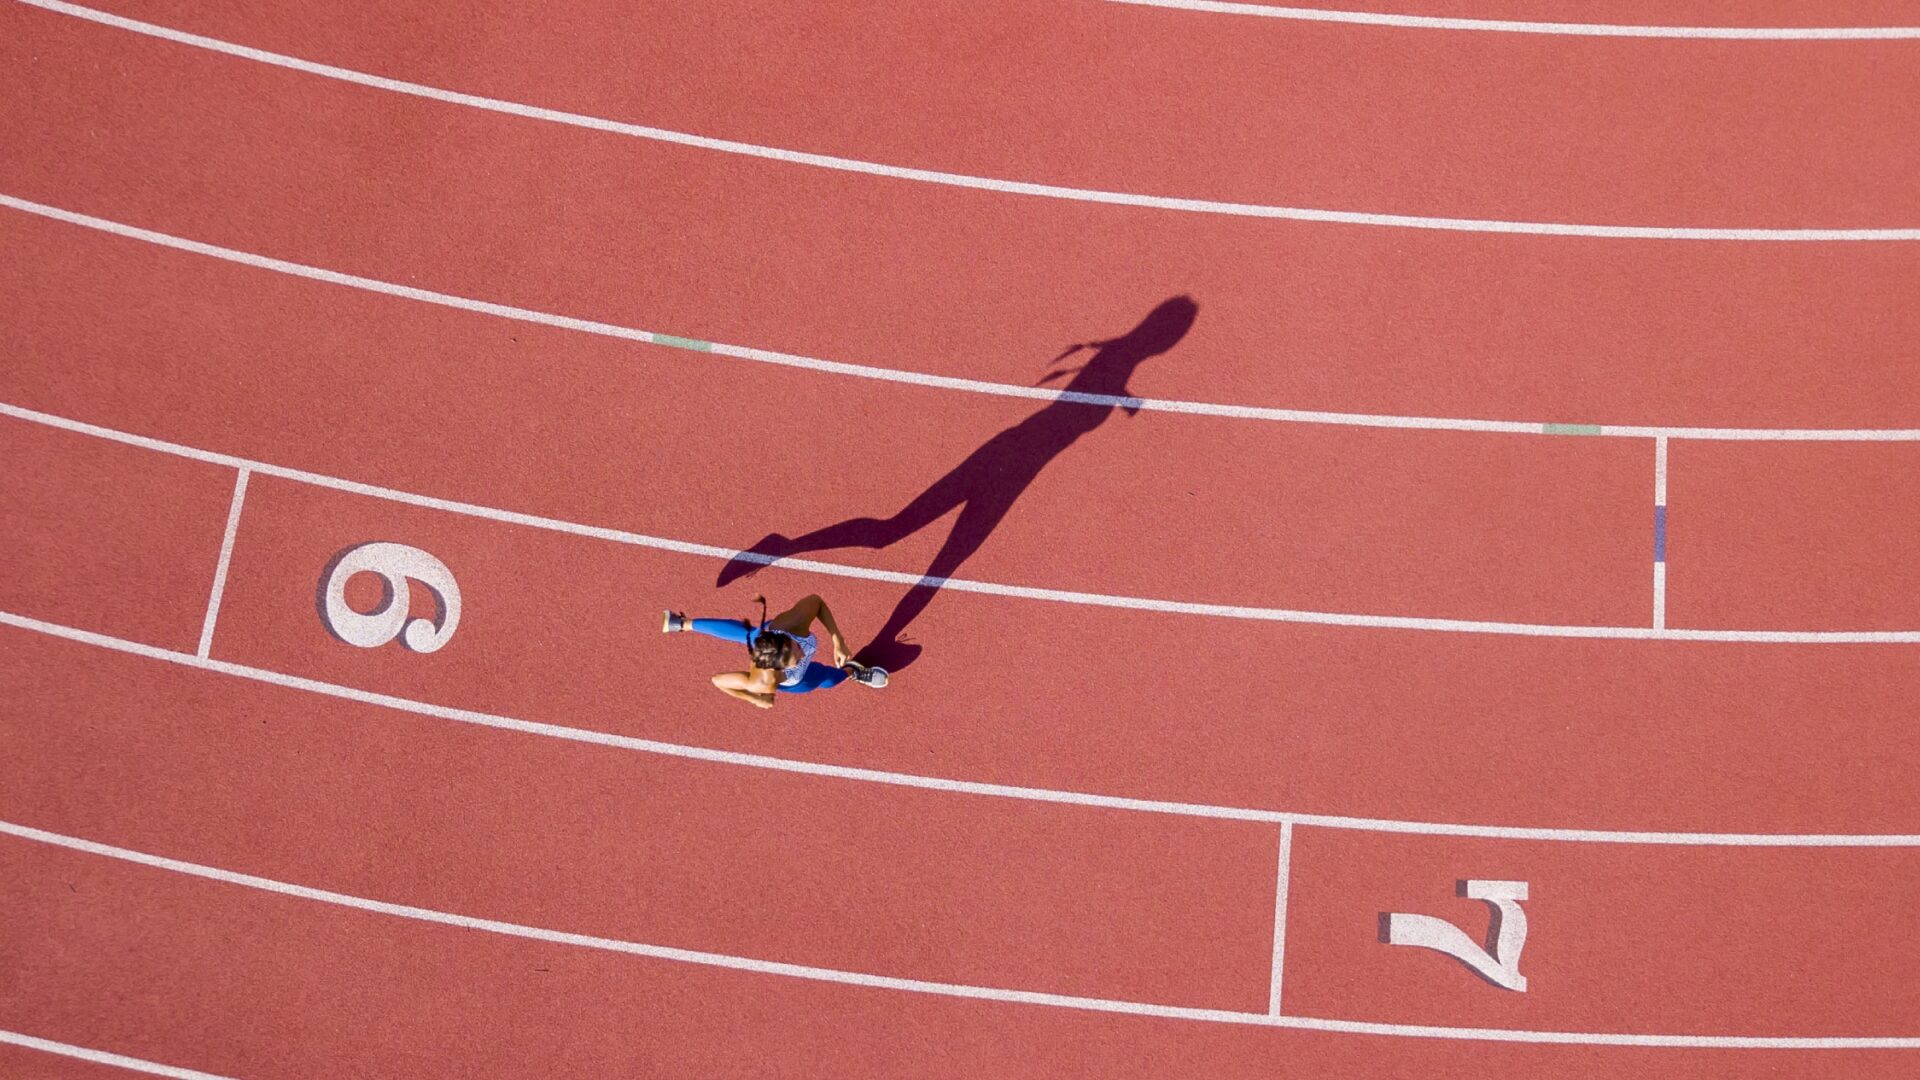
<point>1499,961</point>
<point>396,564</point>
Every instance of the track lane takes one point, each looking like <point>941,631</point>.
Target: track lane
<point>251,984</point>
<point>1142,100</point>
<point>669,238</point>
<point>875,879</point>
<point>1203,1016</point>
<point>1486,730</point>
<point>1432,524</point>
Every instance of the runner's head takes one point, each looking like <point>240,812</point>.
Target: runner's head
<point>774,650</point>
<point>771,650</point>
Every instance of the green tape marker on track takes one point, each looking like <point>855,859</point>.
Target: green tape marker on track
<point>1570,429</point>
<point>683,342</point>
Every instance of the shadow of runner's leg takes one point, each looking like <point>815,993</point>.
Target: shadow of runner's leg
<point>977,522</point>
<point>946,493</point>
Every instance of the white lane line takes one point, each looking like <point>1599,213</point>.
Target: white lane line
<point>226,558</point>
<point>987,588</point>
<point>1660,533</point>
<point>934,783</point>
<point>963,180</point>
<point>1280,918</point>
<point>102,1057</point>
<point>922,986</point>
<point>941,382</point>
<point>1511,26</point>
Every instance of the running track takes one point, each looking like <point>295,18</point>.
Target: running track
<point>1528,502</point>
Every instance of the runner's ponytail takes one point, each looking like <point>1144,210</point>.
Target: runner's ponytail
<point>766,648</point>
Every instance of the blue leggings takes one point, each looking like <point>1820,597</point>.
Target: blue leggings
<point>818,676</point>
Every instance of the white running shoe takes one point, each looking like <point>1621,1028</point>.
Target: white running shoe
<point>673,622</point>
<point>869,676</point>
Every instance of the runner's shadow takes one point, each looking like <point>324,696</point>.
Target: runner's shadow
<point>988,482</point>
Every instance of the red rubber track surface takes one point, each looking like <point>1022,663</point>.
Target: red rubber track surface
<point>1529,731</point>
<point>374,997</point>
<point>427,780</point>
<point>1183,103</point>
<point>1082,901</point>
<point>926,278</point>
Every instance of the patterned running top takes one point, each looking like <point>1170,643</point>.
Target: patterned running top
<point>791,675</point>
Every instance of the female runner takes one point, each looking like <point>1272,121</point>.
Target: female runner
<point>780,652</point>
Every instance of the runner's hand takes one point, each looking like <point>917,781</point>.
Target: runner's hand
<point>840,653</point>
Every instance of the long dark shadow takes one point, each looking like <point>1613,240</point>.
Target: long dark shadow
<point>991,478</point>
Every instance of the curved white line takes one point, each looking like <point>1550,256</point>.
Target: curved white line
<point>923,986</point>
<point>939,382</point>
<point>962,180</point>
<point>1025,592</point>
<point>102,1057</point>
<point>1512,26</point>
<point>935,783</point>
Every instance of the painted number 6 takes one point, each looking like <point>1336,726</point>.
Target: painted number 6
<point>396,564</point>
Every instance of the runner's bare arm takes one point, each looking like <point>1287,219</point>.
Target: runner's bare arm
<point>798,620</point>
<point>742,685</point>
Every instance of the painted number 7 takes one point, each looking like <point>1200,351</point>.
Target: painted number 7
<point>1499,961</point>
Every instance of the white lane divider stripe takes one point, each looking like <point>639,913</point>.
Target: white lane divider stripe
<point>102,1057</point>
<point>1514,26</point>
<point>226,559</point>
